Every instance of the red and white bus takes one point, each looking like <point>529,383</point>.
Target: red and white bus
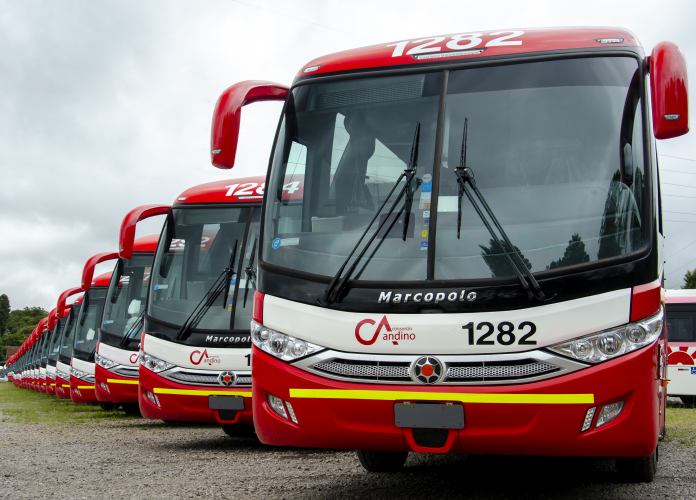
<point>116,371</point>
<point>475,265</point>
<point>195,359</point>
<point>68,319</point>
<point>85,337</point>
<point>681,318</point>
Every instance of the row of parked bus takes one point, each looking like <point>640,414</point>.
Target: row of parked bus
<point>384,262</point>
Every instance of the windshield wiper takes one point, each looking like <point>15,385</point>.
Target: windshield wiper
<point>250,272</point>
<point>209,298</point>
<point>133,330</point>
<point>333,291</point>
<point>466,176</point>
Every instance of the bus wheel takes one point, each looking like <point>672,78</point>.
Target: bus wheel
<point>689,401</point>
<point>108,406</point>
<point>382,461</point>
<point>131,409</point>
<point>637,469</point>
<point>238,430</point>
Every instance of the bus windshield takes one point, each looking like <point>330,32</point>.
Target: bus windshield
<point>556,148</point>
<point>54,347</point>
<point>184,273</point>
<point>127,294</point>
<point>66,339</point>
<point>88,322</point>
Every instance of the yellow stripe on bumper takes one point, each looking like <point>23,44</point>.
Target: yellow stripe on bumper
<point>119,381</point>
<point>195,392</point>
<point>53,385</point>
<point>547,399</point>
<point>66,385</point>
<point>85,387</point>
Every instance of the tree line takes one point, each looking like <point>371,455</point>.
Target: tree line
<point>17,325</point>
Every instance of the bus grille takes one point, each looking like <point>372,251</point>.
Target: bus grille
<point>522,368</point>
<point>195,378</point>
<point>457,372</point>
<point>127,372</point>
<point>365,370</point>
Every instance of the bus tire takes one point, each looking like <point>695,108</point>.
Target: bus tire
<point>108,406</point>
<point>238,430</point>
<point>637,469</point>
<point>131,409</point>
<point>689,401</point>
<point>382,461</point>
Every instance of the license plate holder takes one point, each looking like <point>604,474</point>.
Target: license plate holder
<point>226,403</point>
<point>429,415</point>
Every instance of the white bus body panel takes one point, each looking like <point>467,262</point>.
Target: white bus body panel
<point>200,358</point>
<point>443,333</point>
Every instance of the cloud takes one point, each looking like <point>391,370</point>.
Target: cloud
<point>106,105</point>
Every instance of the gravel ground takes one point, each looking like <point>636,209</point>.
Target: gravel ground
<point>150,460</point>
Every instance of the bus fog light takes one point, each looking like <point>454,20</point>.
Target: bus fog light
<point>610,343</point>
<point>104,387</point>
<point>636,334</point>
<point>153,398</point>
<point>588,419</point>
<point>582,349</point>
<point>291,411</point>
<point>277,405</point>
<point>278,343</point>
<point>77,391</point>
<point>609,413</point>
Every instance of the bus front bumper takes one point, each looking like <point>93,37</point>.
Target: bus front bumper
<point>342,415</point>
<point>62,388</point>
<point>188,403</point>
<point>112,388</point>
<point>81,391</point>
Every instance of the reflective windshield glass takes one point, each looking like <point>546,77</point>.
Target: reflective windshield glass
<point>54,347</point>
<point>67,339</point>
<point>45,346</point>
<point>556,148</point>
<point>197,246</point>
<point>88,321</point>
<point>127,294</point>
<point>544,142</point>
<point>341,149</point>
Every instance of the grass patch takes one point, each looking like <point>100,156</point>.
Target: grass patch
<point>24,406</point>
<point>680,421</point>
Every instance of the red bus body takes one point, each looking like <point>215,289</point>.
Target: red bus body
<point>221,357</point>
<point>373,366</point>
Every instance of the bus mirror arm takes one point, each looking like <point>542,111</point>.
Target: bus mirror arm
<point>224,133</point>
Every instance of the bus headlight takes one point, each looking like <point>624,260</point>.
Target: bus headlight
<point>154,364</point>
<point>612,343</point>
<point>279,345</point>
<point>104,362</point>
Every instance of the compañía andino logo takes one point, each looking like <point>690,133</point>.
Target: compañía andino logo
<point>394,334</point>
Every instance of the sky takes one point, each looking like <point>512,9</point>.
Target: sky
<point>107,105</point>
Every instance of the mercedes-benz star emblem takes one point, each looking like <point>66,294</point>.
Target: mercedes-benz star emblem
<point>427,370</point>
<point>227,378</point>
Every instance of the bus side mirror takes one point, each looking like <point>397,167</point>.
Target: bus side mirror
<point>669,87</point>
<point>227,115</point>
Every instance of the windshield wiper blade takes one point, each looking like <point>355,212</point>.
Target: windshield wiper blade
<point>250,272</point>
<point>466,176</point>
<point>335,288</point>
<point>133,330</point>
<point>209,298</point>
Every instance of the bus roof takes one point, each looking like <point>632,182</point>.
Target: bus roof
<point>243,189</point>
<point>102,279</point>
<point>470,45</point>
<point>680,296</point>
<point>146,243</point>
